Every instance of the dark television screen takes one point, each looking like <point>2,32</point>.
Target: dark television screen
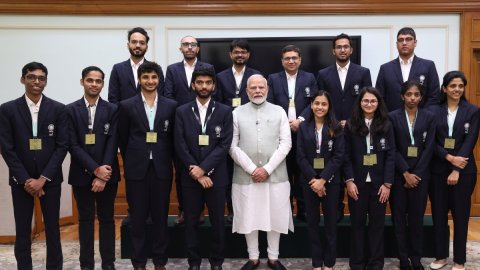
<point>265,53</point>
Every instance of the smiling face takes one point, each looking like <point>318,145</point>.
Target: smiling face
<point>189,48</point>
<point>291,62</point>
<point>320,107</point>
<point>239,56</point>
<point>412,97</point>
<point>137,45</point>
<point>342,50</point>
<point>406,45</point>
<point>454,89</point>
<point>35,82</point>
<point>92,84</point>
<point>148,81</point>
<point>369,104</point>
<point>257,89</point>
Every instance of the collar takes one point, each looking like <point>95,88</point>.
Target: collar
<point>205,106</point>
<point>408,62</point>
<point>291,76</point>
<point>185,64</point>
<point>154,103</point>
<point>88,104</point>
<point>346,67</point>
<point>238,73</point>
<point>30,103</point>
<point>132,64</point>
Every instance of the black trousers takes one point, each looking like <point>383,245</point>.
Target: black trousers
<point>178,182</point>
<point>102,203</point>
<point>23,205</point>
<point>228,190</point>
<point>367,205</point>
<point>323,249</point>
<point>408,208</point>
<point>294,176</point>
<point>193,201</point>
<point>150,196</point>
<point>456,198</point>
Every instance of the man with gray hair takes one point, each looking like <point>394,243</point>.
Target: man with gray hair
<point>260,189</point>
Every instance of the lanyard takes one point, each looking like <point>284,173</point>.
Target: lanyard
<point>411,126</point>
<point>204,126</point>
<point>450,121</point>
<point>318,139</point>
<point>34,128</point>
<point>151,115</point>
<point>90,118</point>
<point>368,138</point>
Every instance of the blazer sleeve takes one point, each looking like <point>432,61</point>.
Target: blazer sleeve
<point>347,166</point>
<point>401,164</point>
<point>336,161</point>
<point>220,152</point>
<point>367,78</point>
<point>181,147</point>
<point>380,84</point>
<point>7,143</point>
<point>423,163</point>
<point>113,86</point>
<point>111,147</point>
<point>302,159</point>
<point>433,86</point>
<point>169,87</point>
<point>75,147</point>
<point>471,139</point>
<point>61,145</point>
<point>313,91</point>
<point>389,166</point>
<point>270,95</point>
<point>123,128</point>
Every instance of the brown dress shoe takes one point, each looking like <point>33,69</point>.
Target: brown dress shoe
<point>180,219</point>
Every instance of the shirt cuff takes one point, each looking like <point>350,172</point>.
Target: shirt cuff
<point>46,178</point>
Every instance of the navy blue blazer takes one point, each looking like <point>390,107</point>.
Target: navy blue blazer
<point>332,150</point>
<point>15,132</point>
<point>343,99</point>
<point>390,80</point>
<point>86,158</point>
<point>356,147</point>
<point>122,83</point>
<point>225,86</point>
<point>176,85</point>
<point>305,88</point>
<point>424,136</point>
<point>212,158</point>
<point>465,137</point>
<point>132,129</point>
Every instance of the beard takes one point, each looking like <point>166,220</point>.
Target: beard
<point>258,100</point>
<point>139,55</point>
<point>200,95</point>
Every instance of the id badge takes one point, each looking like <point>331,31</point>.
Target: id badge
<point>236,102</point>
<point>370,159</point>
<point>89,139</point>
<point>449,143</point>
<point>151,137</point>
<point>412,151</point>
<point>203,140</point>
<point>318,163</point>
<point>291,103</point>
<point>35,144</point>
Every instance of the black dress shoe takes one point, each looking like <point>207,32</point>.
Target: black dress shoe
<point>216,267</point>
<point>302,216</point>
<point>276,265</point>
<point>139,268</point>
<point>250,265</point>
<point>229,218</point>
<point>340,217</point>
<point>180,219</point>
<point>418,267</point>
<point>108,267</point>
<point>86,268</point>
<point>194,267</point>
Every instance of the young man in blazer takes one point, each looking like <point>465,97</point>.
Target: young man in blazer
<point>34,142</point>
<point>407,67</point>
<point>146,143</point>
<point>343,81</point>
<point>94,172</point>
<point>292,89</point>
<point>177,87</point>
<point>123,79</point>
<point>231,89</point>
<point>203,134</point>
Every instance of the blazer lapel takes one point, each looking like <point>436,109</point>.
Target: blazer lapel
<point>83,111</point>
<point>140,108</point>
<point>458,127</point>
<point>43,113</point>
<point>24,111</point>
<point>283,82</point>
<point>398,71</point>
<point>129,72</point>
<point>338,84</point>
<point>100,113</point>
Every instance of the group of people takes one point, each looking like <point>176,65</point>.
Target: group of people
<point>251,142</point>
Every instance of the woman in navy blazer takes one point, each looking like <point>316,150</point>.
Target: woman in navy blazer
<point>369,170</point>
<point>415,134</point>
<point>453,168</point>
<point>320,150</point>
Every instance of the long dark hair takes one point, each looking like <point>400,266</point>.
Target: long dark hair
<point>449,76</point>
<point>380,122</point>
<point>330,120</point>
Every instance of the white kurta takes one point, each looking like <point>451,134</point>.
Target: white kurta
<point>262,206</point>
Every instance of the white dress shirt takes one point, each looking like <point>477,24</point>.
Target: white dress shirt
<point>406,66</point>
<point>34,109</point>
<point>342,73</point>
<point>189,70</point>
<point>135,69</point>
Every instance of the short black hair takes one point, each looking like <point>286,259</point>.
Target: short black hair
<point>407,31</point>
<point>203,71</point>
<point>291,48</point>
<point>34,66</point>
<point>342,36</point>
<point>89,69</point>
<point>240,43</point>
<point>411,83</point>
<point>147,67</point>
<point>138,30</point>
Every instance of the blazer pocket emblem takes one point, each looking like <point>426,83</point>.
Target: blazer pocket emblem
<point>218,130</point>
<point>51,130</point>
<point>467,127</point>
<point>424,136</point>
<point>307,91</point>
<point>421,79</point>
<point>382,143</point>
<point>356,89</point>
<point>330,145</point>
<point>106,128</point>
<point>165,125</point>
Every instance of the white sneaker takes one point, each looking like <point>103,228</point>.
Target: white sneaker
<point>434,265</point>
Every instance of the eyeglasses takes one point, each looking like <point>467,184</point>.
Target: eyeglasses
<point>192,44</point>
<point>200,82</point>
<point>97,81</point>
<point>32,78</point>
<point>369,101</point>
<point>239,52</point>
<point>340,47</point>
<point>405,40</point>
<point>293,58</point>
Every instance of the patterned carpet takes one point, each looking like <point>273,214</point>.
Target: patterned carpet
<point>71,251</point>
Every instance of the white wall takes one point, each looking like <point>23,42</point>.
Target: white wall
<point>67,44</point>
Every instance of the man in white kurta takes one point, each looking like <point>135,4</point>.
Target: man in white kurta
<point>260,189</point>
